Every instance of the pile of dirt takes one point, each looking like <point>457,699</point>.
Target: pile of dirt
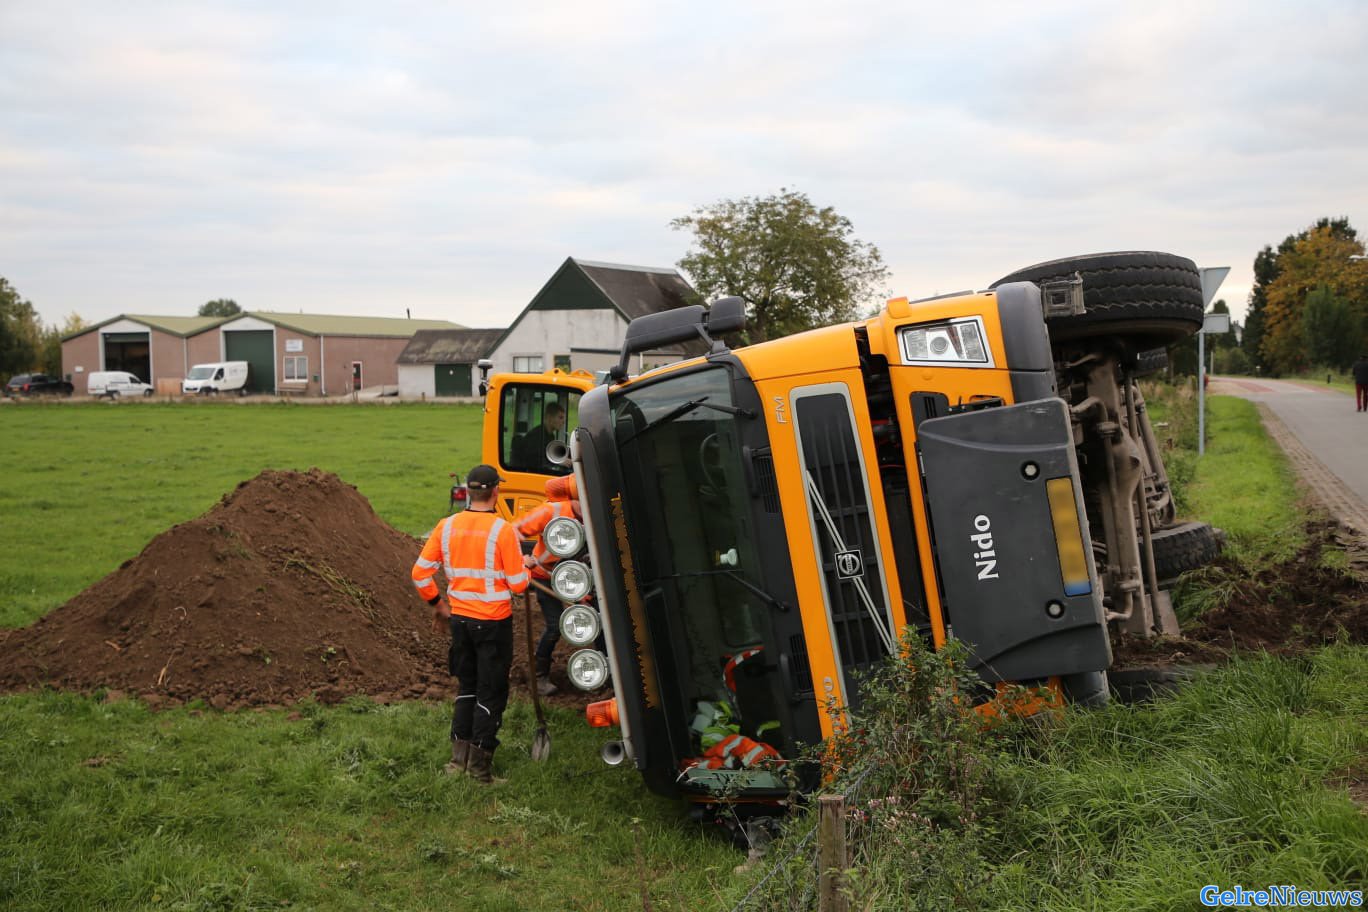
<point>289,588</point>
<point>1286,608</point>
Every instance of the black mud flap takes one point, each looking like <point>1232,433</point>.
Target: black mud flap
<point>1018,583</point>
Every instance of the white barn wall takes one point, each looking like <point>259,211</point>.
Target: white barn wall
<point>416,381</point>
<point>554,332</point>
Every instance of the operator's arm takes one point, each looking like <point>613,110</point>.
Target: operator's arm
<point>425,568</point>
<point>531,525</point>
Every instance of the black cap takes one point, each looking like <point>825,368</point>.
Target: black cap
<point>482,478</point>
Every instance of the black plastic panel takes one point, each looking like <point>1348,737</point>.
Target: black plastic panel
<point>995,541</point>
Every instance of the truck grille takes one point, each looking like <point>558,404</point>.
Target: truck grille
<point>832,457</point>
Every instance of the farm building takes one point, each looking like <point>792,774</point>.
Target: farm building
<point>442,362</point>
<point>319,355</point>
<point>306,354</point>
<point>150,347</point>
<point>579,318</point>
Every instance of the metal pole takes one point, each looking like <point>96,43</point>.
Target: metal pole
<point>1201,393</point>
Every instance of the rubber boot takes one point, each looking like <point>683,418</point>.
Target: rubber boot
<point>460,757</point>
<point>481,766</point>
<point>545,686</point>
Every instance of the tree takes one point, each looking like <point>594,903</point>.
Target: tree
<point>1331,329</point>
<point>20,332</point>
<point>1265,271</point>
<point>1268,268</point>
<point>1321,256</point>
<point>220,307</point>
<point>796,266</point>
<point>52,342</point>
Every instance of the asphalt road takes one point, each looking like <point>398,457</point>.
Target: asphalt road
<point>1327,430</point>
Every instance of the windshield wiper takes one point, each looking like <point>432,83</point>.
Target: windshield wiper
<point>685,407</point>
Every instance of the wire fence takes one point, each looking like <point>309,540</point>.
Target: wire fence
<point>793,877</point>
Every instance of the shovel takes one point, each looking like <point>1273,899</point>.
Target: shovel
<point>541,738</point>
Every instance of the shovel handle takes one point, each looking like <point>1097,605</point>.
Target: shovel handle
<point>531,659</point>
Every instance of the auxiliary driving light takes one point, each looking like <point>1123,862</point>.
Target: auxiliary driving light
<point>579,624</point>
<point>571,580</point>
<point>588,669</point>
<point>564,536</point>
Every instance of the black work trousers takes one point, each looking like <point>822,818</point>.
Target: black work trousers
<point>551,608</point>
<point>480,656</point>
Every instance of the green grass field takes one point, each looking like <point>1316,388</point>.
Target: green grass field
<point>114,807</point>
<point>110,806</point>
<point>86,486</point>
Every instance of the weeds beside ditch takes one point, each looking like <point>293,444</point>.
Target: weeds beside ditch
<point>1237,779</point>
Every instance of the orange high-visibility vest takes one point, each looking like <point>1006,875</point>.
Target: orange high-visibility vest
<point>742,751</point>
<point>483,564</point>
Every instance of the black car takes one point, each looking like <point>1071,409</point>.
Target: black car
<point>37,385</point>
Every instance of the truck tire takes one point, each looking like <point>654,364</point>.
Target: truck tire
<point>1151,362</point>
<point>1184,547</point>
<point>1147,684</point>
<point>1144,297</point>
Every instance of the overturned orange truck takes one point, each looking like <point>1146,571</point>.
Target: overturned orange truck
<point>763,523</point>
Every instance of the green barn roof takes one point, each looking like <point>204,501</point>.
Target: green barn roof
<point>328,325</point>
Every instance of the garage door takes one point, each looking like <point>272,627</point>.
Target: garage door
<point>257,348</point>
<point>452,379</point>
<point>130,352</point>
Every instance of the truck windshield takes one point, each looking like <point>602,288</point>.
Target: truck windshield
<point>695,550</point>
<point>200,373</point>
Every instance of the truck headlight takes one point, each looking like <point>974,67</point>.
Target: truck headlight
<point>588,669</point>
<point>960,341</point>
<point>571,580</point>
<point>564,536</point>
<point>579,624</point>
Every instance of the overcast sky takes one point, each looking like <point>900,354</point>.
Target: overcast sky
<point>445,158</point>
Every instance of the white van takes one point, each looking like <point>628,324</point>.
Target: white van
<point>219,377</point>
<point>113,384</point>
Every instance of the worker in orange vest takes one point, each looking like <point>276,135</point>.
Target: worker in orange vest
<point>479,553</point>
<point>562,499</point>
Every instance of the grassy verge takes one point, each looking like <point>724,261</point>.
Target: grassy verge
<point>110,806</point>
<point>1243,778</point>
<point>85,487</point>
<point>1242,484</point>
<point>1240,779</point>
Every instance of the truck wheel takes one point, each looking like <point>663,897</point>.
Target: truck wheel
<point>1149,683</point>
<point>147,394</point>
<point>1151,362</point>
<point>1184,547</point>
<point>1147,298</point>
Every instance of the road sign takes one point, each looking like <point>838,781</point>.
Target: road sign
<point>1216,323</point>
<point>1212,277</point>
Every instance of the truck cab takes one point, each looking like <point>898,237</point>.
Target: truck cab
<point>764,524</point>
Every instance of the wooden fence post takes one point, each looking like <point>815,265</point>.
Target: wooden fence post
<point>831,853</point>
